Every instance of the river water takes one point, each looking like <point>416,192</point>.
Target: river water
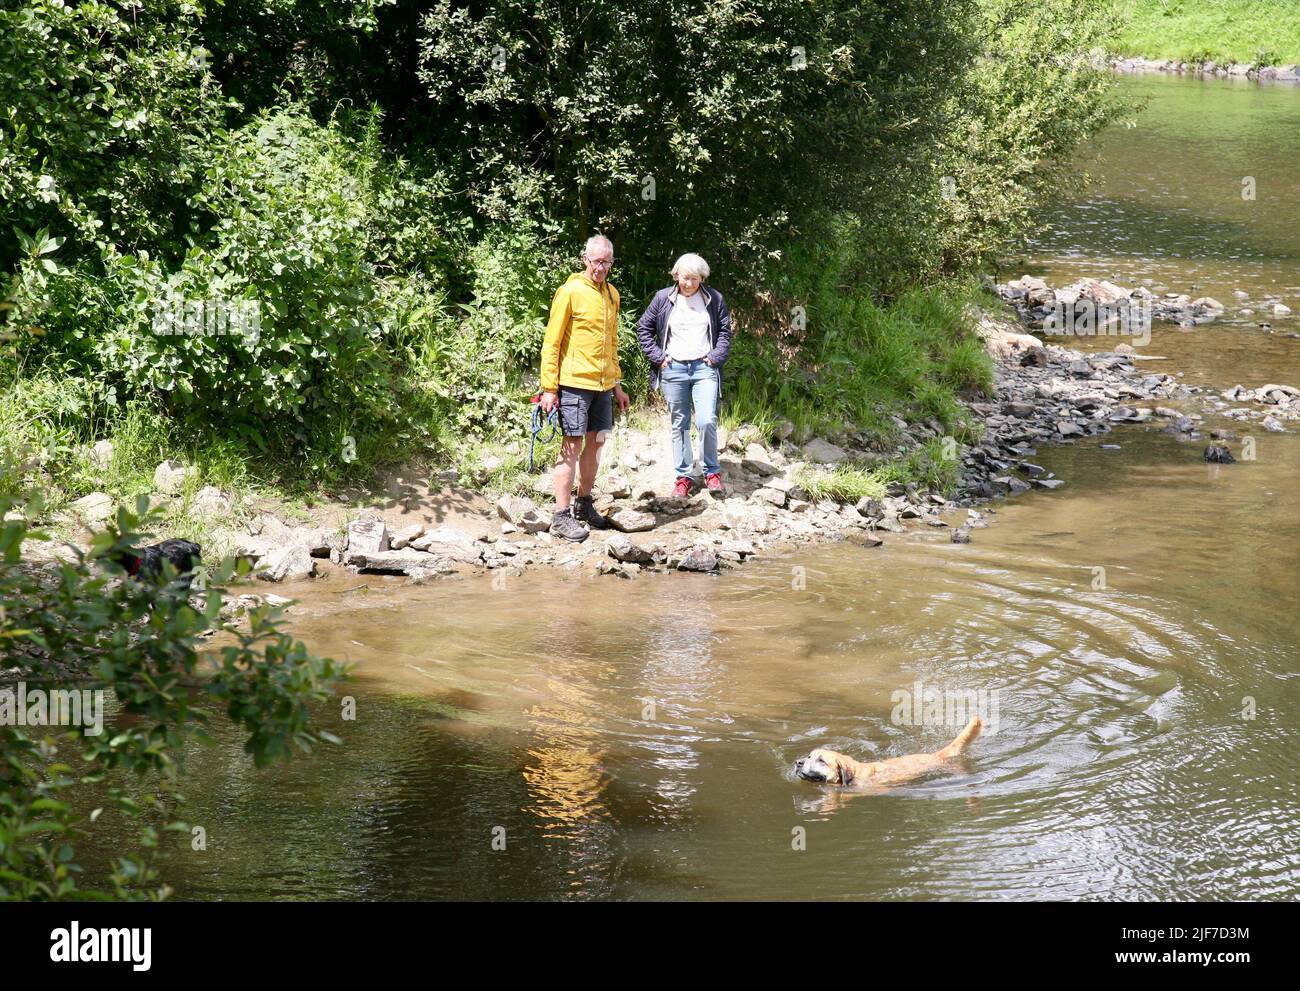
<point>1134,635</point>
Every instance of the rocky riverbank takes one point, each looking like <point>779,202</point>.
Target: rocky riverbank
<point>1236,70</point>
<point>420,530</point>
<point>1090,307</point>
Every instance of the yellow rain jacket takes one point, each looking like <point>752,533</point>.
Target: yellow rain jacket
<point>581,345</point>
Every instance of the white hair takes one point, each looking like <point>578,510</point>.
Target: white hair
<point>598,241</point>
<point>691,264</point>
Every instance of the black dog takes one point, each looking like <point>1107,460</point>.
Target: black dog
<point>184,556</point>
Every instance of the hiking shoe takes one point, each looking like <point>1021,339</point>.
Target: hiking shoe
<point>585,512</point>
<point>564,525</point>
<point>683,487</point>
<point>714,483</point>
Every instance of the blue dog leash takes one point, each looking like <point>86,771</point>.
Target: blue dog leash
<point>539,424</point>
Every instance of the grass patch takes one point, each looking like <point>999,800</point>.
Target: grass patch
<point>864,363</point>
<point>934,467</point>
<point>1258,32</point>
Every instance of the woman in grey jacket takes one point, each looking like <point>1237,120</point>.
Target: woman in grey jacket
<point>685,333</point>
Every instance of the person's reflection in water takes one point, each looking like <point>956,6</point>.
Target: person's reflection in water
<point>565,772</point>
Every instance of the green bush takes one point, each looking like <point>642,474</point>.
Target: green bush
<point>81,625</point>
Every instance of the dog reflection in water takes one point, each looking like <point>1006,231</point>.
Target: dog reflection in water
<point>831,767</point>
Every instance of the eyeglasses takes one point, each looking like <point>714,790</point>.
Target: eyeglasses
<point>598,262</point>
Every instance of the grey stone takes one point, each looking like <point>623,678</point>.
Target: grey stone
<point>403,562</point>
<point>869,507</point>
<point>209,501</point>
<point>286,563</point>
<point>448,542</point>
<point>404,537</point>
<point>621,548</point>
<point>367,535</point>
<point>823,452</point>
<point>94,508</point>
<point>631,520</point>
<point>169,477</point>
<point>698,559</point>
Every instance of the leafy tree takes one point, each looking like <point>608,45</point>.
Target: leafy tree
<point>671,125</point>
<point>107,115</point>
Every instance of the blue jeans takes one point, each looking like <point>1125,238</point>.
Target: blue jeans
<point>686,384</point>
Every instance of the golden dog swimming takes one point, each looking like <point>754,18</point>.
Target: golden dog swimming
<point>839,769</point>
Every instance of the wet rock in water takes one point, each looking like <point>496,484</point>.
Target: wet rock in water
<point>403,562</point>
<point>1010,484</point>
<point>1272,424</point>
<point>1277,394</point>
<point>619,569</point>
<point>1218,454</point>
<point>891,524</point>
<point>286,563</point>
<point>1110,447</point>
<point>368,535</point>
<point>869,507</point>
<point>631,520</point>
<point>961,535</point>
<point>862,539</point>
<point>1281,310</point>
<point>698,559</point>
<point>1220,434</point>
<point>1068,428</point>
<point>1049,483</point>
<point>621,548</point>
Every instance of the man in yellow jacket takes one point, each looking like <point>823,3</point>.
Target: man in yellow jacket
<point>581,377</point>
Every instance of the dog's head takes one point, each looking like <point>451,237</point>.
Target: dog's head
<point>825,765</point>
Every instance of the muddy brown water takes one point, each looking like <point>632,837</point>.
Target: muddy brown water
<point>1137,631</point>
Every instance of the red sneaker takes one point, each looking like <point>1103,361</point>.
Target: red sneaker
<point>683,487</point>
<point>714,482</point>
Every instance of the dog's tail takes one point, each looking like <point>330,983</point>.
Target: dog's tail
<point>964,738</point>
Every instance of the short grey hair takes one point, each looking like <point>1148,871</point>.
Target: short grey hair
<point>691,264</point>
<point>598,241</point>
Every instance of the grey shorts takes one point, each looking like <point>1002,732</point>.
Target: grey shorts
<point>584,411</point>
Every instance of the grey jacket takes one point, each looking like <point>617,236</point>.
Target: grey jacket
<point>652,329</point>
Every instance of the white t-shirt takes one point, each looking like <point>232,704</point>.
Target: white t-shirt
<point>688,328</point>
